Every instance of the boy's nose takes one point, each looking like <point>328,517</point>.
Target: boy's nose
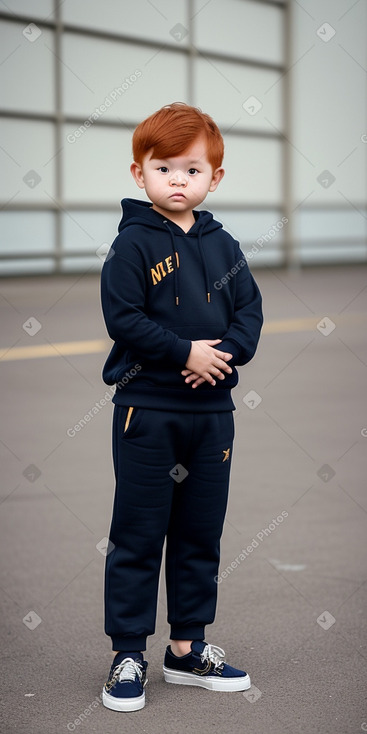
<point>178,178</point>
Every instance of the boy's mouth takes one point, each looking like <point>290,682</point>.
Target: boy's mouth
<point>179,194</point>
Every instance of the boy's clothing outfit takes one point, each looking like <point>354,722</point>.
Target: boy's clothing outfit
<point>161,288</point>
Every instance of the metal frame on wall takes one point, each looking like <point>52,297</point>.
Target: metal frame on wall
<point>58,205</point>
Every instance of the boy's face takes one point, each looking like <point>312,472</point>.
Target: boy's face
<point>177,185</point>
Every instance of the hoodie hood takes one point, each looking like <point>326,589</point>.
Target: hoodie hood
<point>139,212</point>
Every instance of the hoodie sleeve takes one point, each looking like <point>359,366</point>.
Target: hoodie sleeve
<point>242,337</point>
<point>123,292</point>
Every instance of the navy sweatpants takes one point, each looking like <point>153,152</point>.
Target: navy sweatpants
<point>156,499</point>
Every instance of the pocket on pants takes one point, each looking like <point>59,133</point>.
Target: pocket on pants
<point>130,420</point>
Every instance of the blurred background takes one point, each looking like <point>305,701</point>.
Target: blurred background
<point>286,82</point>
<point>286,87</point>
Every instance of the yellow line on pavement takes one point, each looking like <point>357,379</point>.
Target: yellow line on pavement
<point>54,350</point>
<point>58,349</point>
<point>281,327</point>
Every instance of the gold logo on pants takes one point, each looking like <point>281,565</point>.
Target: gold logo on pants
<point>226,454</point>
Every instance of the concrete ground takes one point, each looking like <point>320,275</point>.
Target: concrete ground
<point>291,608</point>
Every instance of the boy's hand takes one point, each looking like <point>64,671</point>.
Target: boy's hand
<point>204,361</point>
<point>191,376</point>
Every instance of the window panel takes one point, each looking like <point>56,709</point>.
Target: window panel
<point>26,74</point>
<point>329,117</point>
<point>265,258</point>
<point>249,226</point>
<point>346,253</point>
<point>162,20</point>
<point>21,267</point>
<point>260,233</point>
<point>89,230</point>
<point>321,225</point>
<point>225,91</point>
<point>84,264</point>
<point>26,231</point>
<point>253,172</point>
<point>41,9</point>
<point>97,166</point>
<point>27,160</point>
<point>132,82</point>
<point>246,29</point>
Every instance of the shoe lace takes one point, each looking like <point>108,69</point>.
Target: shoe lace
<point>128,669</point>
<point>215,654</point>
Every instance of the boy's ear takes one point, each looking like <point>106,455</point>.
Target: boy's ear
<point>137,174</point>
<point>217,177</point>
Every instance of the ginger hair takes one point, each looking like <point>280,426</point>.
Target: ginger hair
<point>170,131</point>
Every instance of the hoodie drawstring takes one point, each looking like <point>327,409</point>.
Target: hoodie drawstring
<point>177,300</point>
<point>206,274</point>
<point>175,259</point>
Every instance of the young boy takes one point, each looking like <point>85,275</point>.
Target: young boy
<point>179,330</point>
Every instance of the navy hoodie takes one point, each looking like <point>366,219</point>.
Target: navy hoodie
<point>162,287</point>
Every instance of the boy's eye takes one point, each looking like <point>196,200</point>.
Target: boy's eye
<point>192,171</point>
<point>164,169</point>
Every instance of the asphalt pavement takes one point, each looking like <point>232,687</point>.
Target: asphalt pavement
<point>292,594</point>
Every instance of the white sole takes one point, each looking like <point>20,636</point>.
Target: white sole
<point>206,681</point>
<point>123,704</point>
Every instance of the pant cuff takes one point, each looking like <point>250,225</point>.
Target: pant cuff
<point>187,633</point>
<point>129,644</point>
